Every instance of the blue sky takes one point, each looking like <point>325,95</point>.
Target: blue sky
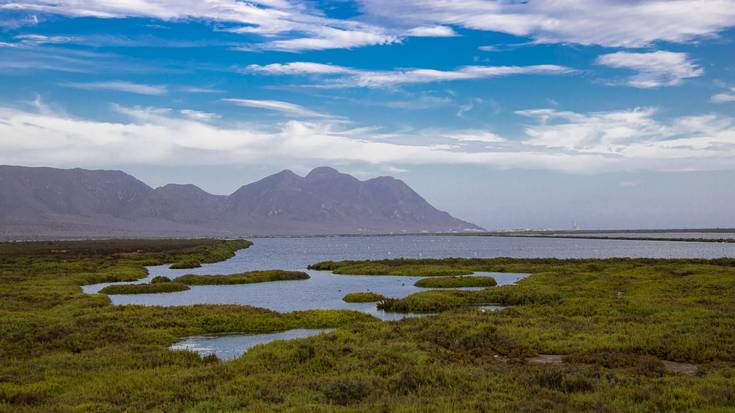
<point>610,114</point>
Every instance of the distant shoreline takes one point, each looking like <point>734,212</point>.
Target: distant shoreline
<point>580,234</point>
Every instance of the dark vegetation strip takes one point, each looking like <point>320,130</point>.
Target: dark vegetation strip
<point>365,297</point>
<point>185,264</point>
<point>456,282</point>
<point>242,278</point>
<point>669,239</point>
<point>614,322</point>
<point>168,287</point>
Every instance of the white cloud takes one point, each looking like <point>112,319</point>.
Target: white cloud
<point>431,31</point>
<point>307,28</point>
<point>655,69</point>
<point>724,97</point>
<point>292,25</point>
<point>59,140</point>
<point>276,105</point>
<point>200,116</point>
<point>475,136</point>
<point>300,68</point>
<point>487,48</point>
<point>340,76</point>
<point>636,140</point>
<point>614,23</point>
<point>556,140</point>
<point>194,89</point>
<point>120,86</point>
<point>43,39</point>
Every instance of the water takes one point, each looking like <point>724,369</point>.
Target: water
<point>325,290</point>
<point>228,347</point>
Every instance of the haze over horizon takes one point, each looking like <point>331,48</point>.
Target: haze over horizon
<point>507,114</point>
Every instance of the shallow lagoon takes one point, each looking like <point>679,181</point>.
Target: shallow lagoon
<point>325,290</point>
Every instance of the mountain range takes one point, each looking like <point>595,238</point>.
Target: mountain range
<point>39,202</point>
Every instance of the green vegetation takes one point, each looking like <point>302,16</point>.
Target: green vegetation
<point>152,288</point>
<point>185,264</point>
<point>421,268</point>
<point>243,278</point>
<point>366,297</point>
<point>456,282</point>
<point>614,321</point>
<point>160,279</point>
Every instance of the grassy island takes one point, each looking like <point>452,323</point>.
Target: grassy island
<point>617,335</point>
<point>185,264</point>
<point>420,268</point>
<point>456,282</point>
<point>242,278</point>
<point>153,288</point>
<point>366,297</point>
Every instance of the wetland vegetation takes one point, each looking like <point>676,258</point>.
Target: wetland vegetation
<point>456,282</point>
<point>615,322</point>
<point>152,288</point>
<point>366,297</point>
<point>243,278</point>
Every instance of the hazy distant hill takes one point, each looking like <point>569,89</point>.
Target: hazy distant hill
<point>49,202</point>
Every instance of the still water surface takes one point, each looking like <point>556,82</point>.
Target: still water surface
<point>325,290</point>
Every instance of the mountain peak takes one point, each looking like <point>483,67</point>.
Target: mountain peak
<point>321,172</point>
<point>54,202</point>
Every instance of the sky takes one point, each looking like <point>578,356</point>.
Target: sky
<point>509,114</point>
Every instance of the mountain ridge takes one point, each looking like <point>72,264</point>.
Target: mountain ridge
<point>50,202</point>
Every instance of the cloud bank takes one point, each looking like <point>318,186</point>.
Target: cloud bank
<point>553,140</point>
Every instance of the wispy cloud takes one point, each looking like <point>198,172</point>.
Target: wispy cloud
<point>194,89</point>
<point>655,69</point>
<point>345,77</point>
<point>724,97</point>
<point>635,23</point>
<point>276,105</point>
<point>293,26</point>
<point>120,86</point>
<point>198,115</point>
<point>305,28</point>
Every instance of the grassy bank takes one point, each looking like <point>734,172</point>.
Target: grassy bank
<point>615,321</point>
<point>366,297</point>
<point>243,278</point>
<point>152,288</point>
<point>456,282</point>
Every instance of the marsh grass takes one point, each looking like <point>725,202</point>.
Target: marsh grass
<point>364,297</point>
<point>152,288</point>
<point>456,282</point>
<point>185,264</point>
<point>243,278</point>
<point>615,321</point>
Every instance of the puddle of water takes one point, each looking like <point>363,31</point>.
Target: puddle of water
<point>230,346</point>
